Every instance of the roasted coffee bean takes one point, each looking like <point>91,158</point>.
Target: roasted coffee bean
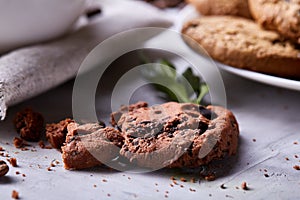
<point>3,168</point>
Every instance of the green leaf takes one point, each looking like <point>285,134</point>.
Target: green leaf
<point>185,88</point>
<point>193,80</point>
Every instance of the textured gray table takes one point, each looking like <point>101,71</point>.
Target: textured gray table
<point>265,113</point>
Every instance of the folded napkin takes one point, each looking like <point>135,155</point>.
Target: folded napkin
<point>29,71</point>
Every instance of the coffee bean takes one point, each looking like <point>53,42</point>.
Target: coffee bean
<point>3,168</point>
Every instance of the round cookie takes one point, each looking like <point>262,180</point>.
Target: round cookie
<point>280,15</point>
<point>242,43</point>
<point>222,7</point>
<point>177,135</point>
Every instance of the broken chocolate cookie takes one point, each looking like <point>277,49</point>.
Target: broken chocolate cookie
<point>56,132</point>
<point>90,145</point>
<point>177,135</point>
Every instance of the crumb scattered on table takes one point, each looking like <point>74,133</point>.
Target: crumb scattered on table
<point>19,143</point>
<point>29,124</point>
<point>296,167</point>
<point>210,177</point>
<point>13,162</point>
<point>15,194</point>
<point>182,179</point>
<point>244,186</point>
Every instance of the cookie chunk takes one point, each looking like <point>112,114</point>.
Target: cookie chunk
<point>90,145</point>
<point>56,132</point>
<point>177,135</point>
<point>242,43</point>
<point>280,15</point>
<point>222,7</point>
<point>29,124</point>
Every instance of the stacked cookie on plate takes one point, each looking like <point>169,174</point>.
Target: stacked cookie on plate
<point>258,35</point>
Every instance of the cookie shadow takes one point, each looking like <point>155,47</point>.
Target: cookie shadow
<point>7,180</point>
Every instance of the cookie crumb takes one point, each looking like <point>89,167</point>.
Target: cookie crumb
<point>266,175</point>
<point>29,124</point>
<point>182,179</point>
<point>15,194</point>
<point>166,196</point>
<point>287,158</point>
<point>13,162</point>
<point>95,185</point>
<point>19,143</point>
<point>296,156</point>
<point>182,186</point>
<point>223,186</point>
<point>296,167</point>
<point>17,172</point>
<point>49,169</point>
<point>172,178</point>
<point>244,186</point>
<point>104,180</point>
<point>41,144</point>
<point>192,190</point>
<point>295,142</point>
<point>2,149</point>
<point>108,195</point>
<point>171,185</point>
<point>24,149</point>
<point>24,175</point>
<point>210,177</point>
<point>254,140</point>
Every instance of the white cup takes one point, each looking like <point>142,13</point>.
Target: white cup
<point>24,22</point>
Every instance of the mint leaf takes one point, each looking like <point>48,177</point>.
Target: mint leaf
<point>185,87</point>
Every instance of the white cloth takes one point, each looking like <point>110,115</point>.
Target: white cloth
<point>29,71</point>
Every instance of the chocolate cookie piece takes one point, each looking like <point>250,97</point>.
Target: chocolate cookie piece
<point>280,15</point>
<point>242,43</point>
<point>29,124</point>
<point>90,145</point>
<point>177,135</point>
<point>56,132</point>
<point>222,7</point>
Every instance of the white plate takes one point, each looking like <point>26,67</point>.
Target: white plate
<point>263,78</point>
<point>189,12</point>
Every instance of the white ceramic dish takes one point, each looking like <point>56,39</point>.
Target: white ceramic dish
<point>30,21</point>
<point>263,78</point>
<point>189,12</point>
